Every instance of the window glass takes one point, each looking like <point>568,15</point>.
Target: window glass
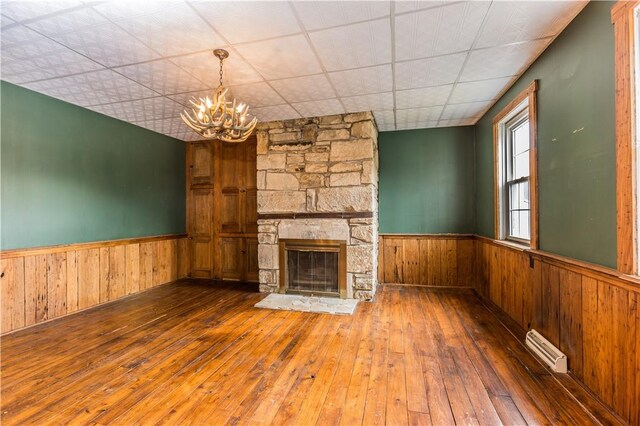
<point>516,192</point>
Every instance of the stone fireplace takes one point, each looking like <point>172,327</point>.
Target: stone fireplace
<point>318,181</point>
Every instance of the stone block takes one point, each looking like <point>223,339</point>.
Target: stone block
<point>344,179</point>
<point>316,168</point>
<point>271,161</point>
<point>282,181</point>
<point>364,295</point>
<point>362,234</point>
<point>312,198</point>
<point>286,137</point>
<point>319,229</point>
<point>309,132</point>
<point>262,138</point>
<point>359,258</point>
<point>363,283</point>
<point>363,129</point>
<point>267,238</point>
<point>369,173</point>
<point>333,135</point>
<point>270,229</point>
<point>268,256</point>
<point>357,149</point>
<point>316,157</point>
<point>345,199</point>
<point>298,146</point>
<point>311,180</point>
<point>353,166</point>
<point>261,179</point>
<point>295,158</point>
<point>330,119</point>
<point>267,277</point>
<point>266,288</point>
<point>357,116</point>
<point>282,201</point>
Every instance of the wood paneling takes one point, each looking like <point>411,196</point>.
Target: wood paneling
<point>589,312</point>
<point>427,260</point>
<point>42,286</point>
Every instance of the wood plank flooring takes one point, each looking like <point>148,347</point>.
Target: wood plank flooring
<point>197,352</point>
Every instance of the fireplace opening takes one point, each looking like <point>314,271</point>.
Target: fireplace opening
<point>313,267</point>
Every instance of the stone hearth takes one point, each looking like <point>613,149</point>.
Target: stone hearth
<point>318,179</point>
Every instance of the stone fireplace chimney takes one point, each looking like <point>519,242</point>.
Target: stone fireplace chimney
<point>318,180</point>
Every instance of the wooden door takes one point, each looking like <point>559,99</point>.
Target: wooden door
<point>200,232</point>
<point>200,163</point>
<point>231,258</point>
<point>231,181</point>
<point>250,255</point>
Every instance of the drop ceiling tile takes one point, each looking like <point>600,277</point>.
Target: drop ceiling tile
<point>281,58</point>
<point>417,125</point>
<point>405,6</point>
<point>354,46</point>
<point>107,44</point>
<point>418,115</point>
<point>324,14</point>
<point>319,108</point>
<point>75,20</point>
<point>141,110</point>
<point>50,64</point>
<point>476,91</point>
<point>456,123</point>
<point>384,119</point>
<point>501,61</point>
<point>374,101</point>
<point>513,21</point>
<point>276,112</point>
<point>92,88</point>
<point>301,89</point>
<point>172,30</point>
<point>164,126</point>
<point>204,66</point>
<point>468,110</point>
<point>17,35</point>
<point>256,95</point>
<point>427,96</point>
<point>434,71</point>
<point>162,76</point>
<point>116,10</point>
<point>244,21</point>
<point>387,128</point>
<point>6,21</point>
<point>21,10</point>
<point>438,31</point>
<point>363,80</point>
<point>183,98</point>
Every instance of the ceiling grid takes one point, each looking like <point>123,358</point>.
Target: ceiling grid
<point>415,64</point>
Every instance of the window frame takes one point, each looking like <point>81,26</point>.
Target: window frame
<point>524,100</point>
<point>623,20</point>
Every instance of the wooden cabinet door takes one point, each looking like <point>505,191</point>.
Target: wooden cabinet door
<point>200,232</point>
<point>230,172</point>
<point>231,258</point>
<point>250,259</point>
<point>201,163</point>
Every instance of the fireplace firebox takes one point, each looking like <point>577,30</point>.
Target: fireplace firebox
<point>313,267</point>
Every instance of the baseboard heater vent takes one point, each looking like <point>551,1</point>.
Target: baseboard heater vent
<point>547,352</point>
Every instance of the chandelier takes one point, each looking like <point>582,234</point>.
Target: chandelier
<point>218,118</point>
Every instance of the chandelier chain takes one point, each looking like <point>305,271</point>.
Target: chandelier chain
<point>221,60</point>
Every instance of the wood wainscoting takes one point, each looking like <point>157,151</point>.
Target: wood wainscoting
<point>39,284</point>
<point>590,312</point>
<point>437,260</point>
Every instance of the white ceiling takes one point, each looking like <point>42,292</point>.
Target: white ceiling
<point>415,64</point>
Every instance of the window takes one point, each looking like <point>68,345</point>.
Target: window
<point>515,170</point>
<point>516,192</point>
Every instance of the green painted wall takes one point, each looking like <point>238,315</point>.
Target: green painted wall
<point>427,181</point>
<point>71,175</point>
<point>576,142</point>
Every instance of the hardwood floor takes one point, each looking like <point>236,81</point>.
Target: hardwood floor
<point>199,353</point>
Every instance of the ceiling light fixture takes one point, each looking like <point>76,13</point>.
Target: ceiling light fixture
<point>217,118</point>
